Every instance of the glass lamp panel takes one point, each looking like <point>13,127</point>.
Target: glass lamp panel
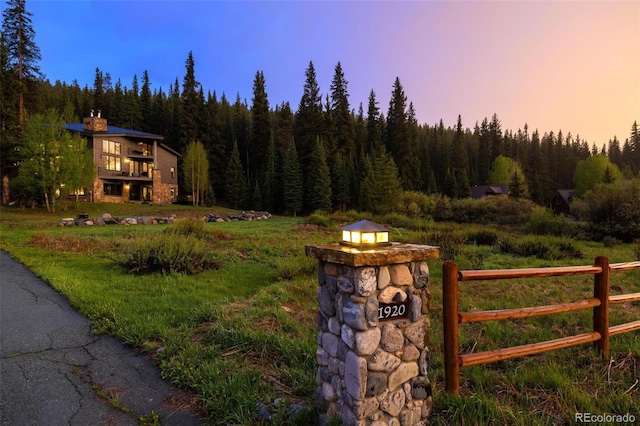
<point>355,237</point>
<point>346,236</point>
<point>382,237</point>
<point>368,238</point>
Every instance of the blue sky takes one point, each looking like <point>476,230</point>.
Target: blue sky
<point>572,65</point>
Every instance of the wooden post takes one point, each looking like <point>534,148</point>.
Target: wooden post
<point>450,324</point>
<point>601,312</point>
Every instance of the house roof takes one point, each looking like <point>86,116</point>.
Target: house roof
<point>567,194</point>
<point>482,190</point>
<point>112,131</point>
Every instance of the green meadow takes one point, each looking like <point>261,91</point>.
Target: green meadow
<point>242,333</point>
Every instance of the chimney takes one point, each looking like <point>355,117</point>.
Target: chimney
<point>94,124</point>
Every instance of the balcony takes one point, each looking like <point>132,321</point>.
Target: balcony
<point>139,152</point>
<point>124,174</point>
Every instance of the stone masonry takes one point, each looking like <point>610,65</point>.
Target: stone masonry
<point>373,370</point>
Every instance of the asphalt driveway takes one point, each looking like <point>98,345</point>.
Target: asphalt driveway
<point>54,371</point>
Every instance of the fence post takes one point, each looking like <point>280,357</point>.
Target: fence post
<point>450,325</point>
<point>601,313</point>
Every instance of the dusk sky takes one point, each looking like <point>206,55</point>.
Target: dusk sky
<point>555,65</point>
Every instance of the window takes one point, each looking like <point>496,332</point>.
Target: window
<point>111,155</point>
<point>173,173</point>
<point>114,189</point>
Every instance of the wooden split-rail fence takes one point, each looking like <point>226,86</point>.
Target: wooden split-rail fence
<point>600,302</point>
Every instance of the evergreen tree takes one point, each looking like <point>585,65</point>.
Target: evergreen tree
<point>146,112</point>
<point>387,182</point>
<point>634,142</point>
<point>367,193</point>
<point>318,181</point>
<point>308,122</point>
<point>260,130</point>
<point>517,186</point>
<point>98,91</point>
<point>22,50</point>
<point>256,196</point>
<point>341,182</point>
<point>236,183</point>
<point>398,141</point>
<point>269,182</point>
<point>9,120</point>
<point>292,180</point>
<point>460,162</point>
<point>374,127</point>
<point>343,126</point>
<point>191,104</point>
<point>132,115</point>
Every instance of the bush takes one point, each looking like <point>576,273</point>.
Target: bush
<point>187,228</point>
<point>482,238</point>
<point>612,209</point>
<point>636,249</point>
<point>318,218</point>
<point>542,221</point>
<point>167,254</point>
<point>611,241</point>
<point>451,242</point>
<point>542,248</point>
<point>416,204</point>
<point>398,220</point>
<point>498,210</point>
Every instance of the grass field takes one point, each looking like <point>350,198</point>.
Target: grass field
<point>245,332</point>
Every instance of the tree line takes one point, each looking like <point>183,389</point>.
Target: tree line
<point>323,153</point>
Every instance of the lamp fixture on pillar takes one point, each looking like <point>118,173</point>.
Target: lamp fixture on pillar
<point>365,235</point>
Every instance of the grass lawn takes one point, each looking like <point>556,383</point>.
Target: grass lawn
<point>245,333</point>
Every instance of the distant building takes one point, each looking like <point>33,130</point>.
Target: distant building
<point>561,201</point>
<point>132,166</point>
<point>486,190</point>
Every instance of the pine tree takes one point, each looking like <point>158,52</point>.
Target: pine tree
<point>374,127</point>
<point>23,52</point>
<point>398,142</point>
<point>318,181</point>
<point>517,186</point>
<point>236,183</point>
<point>191,104</point>
<point>260,129</point>
<point>460,162</point>
<point>387,182</point>
<point>343,126</point>
<point>292,180</point>
<point>308,123</point>
<point>145,104</point>
<point>367,193</point>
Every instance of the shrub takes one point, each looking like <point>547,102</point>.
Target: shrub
<point>398,220</point>
<point>609,241</point>
<point>542,221</point>
<point>416,204</point>
<point>318,218</point>
<point>291,267</point>
<point>636,249</point>
<point>187,228</point>
<point>167,254</point>
<point>612,209</point>
<point>482,238</point>
<point>542,248</point>
<point>490,210</point>
<point>450,242</point>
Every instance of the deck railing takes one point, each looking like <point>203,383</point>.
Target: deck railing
<point>599,302</point>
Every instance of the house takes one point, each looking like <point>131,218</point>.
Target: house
<point>561,201</point>
<point>485,190</point>
<point>132,166</point>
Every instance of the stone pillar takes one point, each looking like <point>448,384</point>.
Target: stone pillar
<point>372,352</point>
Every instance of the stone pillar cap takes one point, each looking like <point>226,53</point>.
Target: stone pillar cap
<point>395,253</point>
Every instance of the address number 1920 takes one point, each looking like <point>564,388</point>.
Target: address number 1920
<point>387,311</point>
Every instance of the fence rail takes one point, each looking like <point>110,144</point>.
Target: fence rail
<point>600,304</point>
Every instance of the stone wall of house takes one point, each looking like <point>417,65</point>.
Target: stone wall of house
<point>372,370</point>
<point>162,191</point>
<point>99,197</point>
